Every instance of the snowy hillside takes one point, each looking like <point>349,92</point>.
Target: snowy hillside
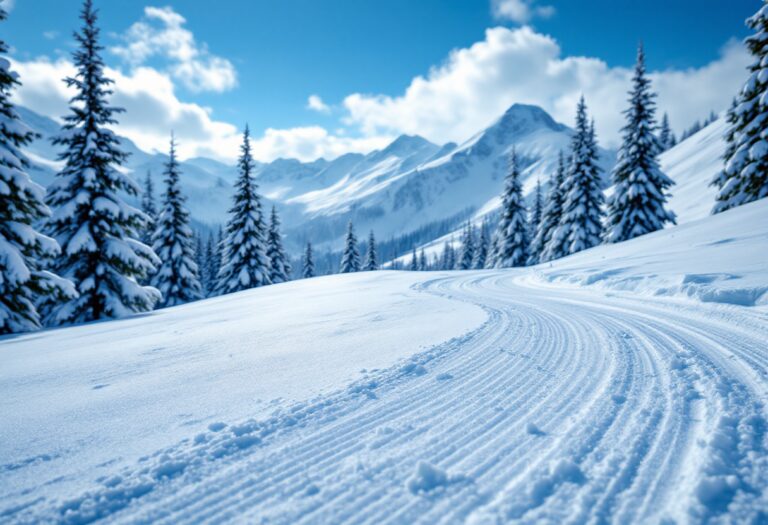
<point>691,164</point>
<point>566,393</point>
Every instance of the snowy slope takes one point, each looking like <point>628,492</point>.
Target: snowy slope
<point>692,164</point>
<point>83,402</point>
<point>569,403</point>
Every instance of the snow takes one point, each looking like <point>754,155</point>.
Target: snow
<point>716,259</point>
<point>595,388</point>
<point>81,402</point>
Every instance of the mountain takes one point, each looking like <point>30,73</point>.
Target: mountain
<point>399,189</point>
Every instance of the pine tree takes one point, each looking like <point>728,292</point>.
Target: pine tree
<point>538,208</point>
<point>744,177</point>
<point>467,256</point>
<point>551,216</point>
<point>413,266</point>
<point>149,208</point>
<point>448,259</point>
<point>512,231</point>
<point>423,265</point>
<point>245,243</point>
<point>209,272</point>
<point>308,263</point>
<point>177,278</point>
<point>370,254</point>
<point>481,253</point>
<point>666,137</point>
<point>350,260</point>
<point>580,223</point>
<point>200,261</point>
<point>94,226</point>
<point>637,205</point>
<point>23,250</point>
<point>280,268</point>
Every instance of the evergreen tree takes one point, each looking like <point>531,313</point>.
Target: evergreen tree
<point>744,177</point>
<point>448,259</point>
<point>467,255</point>
<point>580,223</point>
<point>370,254</point>
<point>308,263</point>
<point>637,205</point>
<point>177,278</point>
<point>92,223</point>
<point>23,250</point>
<point>666,137</point>
<point>200,261</point>
<point>413,266</point>
<point>350,259</point>
<point>551,217</point>
<point>209,270</point>
<point>248,265</point>
<point>512,231</point>
<point>149,208</point>
<point>481,253</point>
<point>538,208</point>
<point>280,268</point>
<point>423,265</point>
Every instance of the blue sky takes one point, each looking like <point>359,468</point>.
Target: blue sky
<point>259,61</point>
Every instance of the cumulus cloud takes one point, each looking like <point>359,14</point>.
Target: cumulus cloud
<point>475,85</point>
<point>162,34</point>
<point>520,11</point>
<point>315,103</point>
<point>153,110</point>
<point>152,107</point>
<point>310,143</point>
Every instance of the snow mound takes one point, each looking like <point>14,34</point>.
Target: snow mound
<point>428,478</point>
<point>717,259</point>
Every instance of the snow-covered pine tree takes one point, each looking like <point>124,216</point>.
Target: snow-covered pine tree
<point>537,211</point>
<point>245,243</point>
<point>92,223</point>
<point>553,210</point>
<point>200,261</point>
<point>308,263</point>
<point>280,268</point>
<point>512,231</point>
<point>467,254</point>
<point>177,278</point>
<point>581,221</point>
<point>481,253</point>
<point>350,259</point>
<point>744,177</point>
<point>448,258</point>
<point>666,137</point>
<point>413,266</point>
<point>149,208</point>
<point>637,205</point>
<point>370,254</point>
<point>423,265</point>
<point>23,250</point>
<point>208,272</point>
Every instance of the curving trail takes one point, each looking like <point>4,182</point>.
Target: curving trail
<point>566,406</point>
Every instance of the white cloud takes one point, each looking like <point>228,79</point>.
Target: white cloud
<point>50,35</point>
<point>311,142</point>
<point>477,84</point>
<point>520,11</point>
<point>153,110</point>
<point>315,103</point>
<point>8,5</point>
<point>161,33</point>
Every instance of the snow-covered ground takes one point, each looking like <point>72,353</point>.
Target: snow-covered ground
<point>562,394</point>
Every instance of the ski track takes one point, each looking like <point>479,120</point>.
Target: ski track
<point>565,406</point>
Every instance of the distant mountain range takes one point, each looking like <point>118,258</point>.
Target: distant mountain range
<point>399,189</point>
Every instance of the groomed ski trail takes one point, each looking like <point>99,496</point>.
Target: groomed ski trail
<point>565,406</point>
